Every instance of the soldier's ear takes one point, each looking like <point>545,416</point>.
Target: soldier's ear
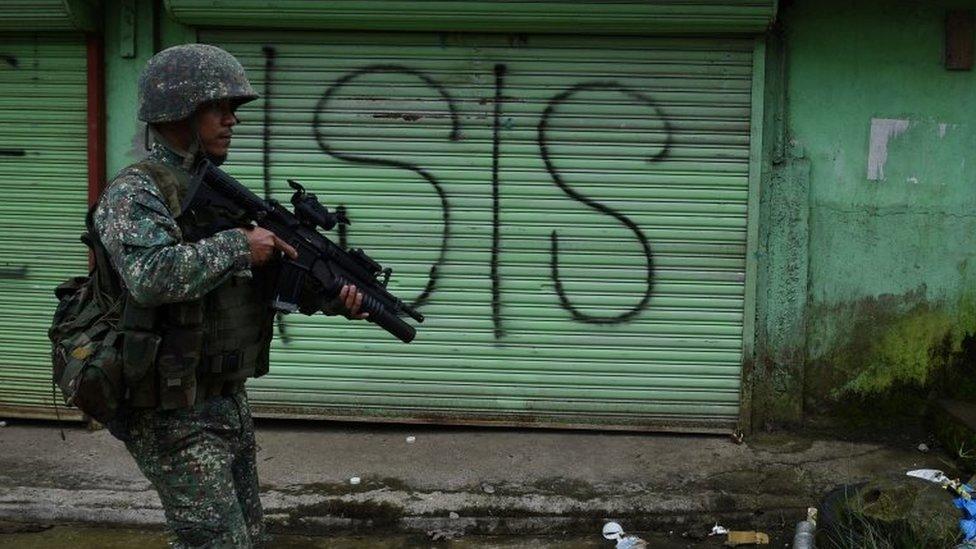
<point>179,134</point>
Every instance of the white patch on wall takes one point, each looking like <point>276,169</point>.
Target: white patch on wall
<point>942,129</point>
<point>883,130</point>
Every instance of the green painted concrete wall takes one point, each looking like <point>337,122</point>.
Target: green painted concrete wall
<point>134,31</point>
<point>892,219</point>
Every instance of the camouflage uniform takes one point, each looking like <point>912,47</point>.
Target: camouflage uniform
<point>146,245</point>
<point>200,459</point>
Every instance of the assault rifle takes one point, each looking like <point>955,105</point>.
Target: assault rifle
<point>329,266</point>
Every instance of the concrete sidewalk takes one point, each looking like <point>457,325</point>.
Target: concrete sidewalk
<point>463,479</point>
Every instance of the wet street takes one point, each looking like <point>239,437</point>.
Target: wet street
<point>85,537</point>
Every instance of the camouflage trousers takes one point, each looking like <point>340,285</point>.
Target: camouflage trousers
<point>201,461</point>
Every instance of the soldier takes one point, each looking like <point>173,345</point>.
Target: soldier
<point>196,321</point>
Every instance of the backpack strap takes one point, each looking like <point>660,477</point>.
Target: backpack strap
<point>172,185</point>
<point>107,282</point>
<point>156,341</point>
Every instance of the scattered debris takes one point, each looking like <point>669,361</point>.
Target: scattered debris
<point>355,480</point>
<point>738,436</point>
<point>443,535</point>
<point>936,476</point>
<point>411,440</point>
<point>931,475</point>
<point>968,523</point>
<point>454,515</point>
<point>747,538</point>
<point>924,448</point>
<point>806,531</point>
<point>631,542</point>
<point>488,488</point>
<point>614,531</point>
<point>718,530</point>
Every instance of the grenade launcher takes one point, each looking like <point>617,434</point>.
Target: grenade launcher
<point>329,266</point>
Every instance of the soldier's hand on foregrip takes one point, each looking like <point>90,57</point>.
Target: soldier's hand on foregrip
<point>264,244</point>
<point>352,301</point>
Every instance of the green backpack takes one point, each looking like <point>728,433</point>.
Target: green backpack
<point>85,337</point>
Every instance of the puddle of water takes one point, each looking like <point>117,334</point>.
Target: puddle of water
<point>85,537</point>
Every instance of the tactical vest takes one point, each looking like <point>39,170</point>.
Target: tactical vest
<point>178,354</point>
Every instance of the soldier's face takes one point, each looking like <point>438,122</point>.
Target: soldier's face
<point>215,124</point>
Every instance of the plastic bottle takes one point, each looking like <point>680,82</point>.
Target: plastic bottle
<point>806,532</point>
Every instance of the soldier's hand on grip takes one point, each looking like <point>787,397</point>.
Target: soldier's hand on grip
<point>352,300</point>
<point>263,245</point>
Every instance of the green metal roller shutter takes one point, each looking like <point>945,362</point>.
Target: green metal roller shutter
<point>43,197</point>
<point>608,143</point>
<point>537,16</point>
<point>49,15</point>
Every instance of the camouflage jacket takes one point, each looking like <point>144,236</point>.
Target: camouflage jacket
<point>146,245</point>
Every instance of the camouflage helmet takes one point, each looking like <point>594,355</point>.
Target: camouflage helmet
<point>177,80</point>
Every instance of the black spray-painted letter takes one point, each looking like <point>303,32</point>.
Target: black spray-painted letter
<point>554,103</point>
<point>320,135</point>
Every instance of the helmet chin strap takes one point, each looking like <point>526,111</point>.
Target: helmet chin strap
<point>197,150</point>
